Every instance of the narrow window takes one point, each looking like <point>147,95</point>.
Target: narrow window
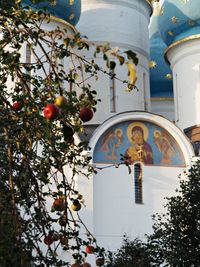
<point>145,93</point>
<point>28,54</point>
<point>138,183</point>
<point>70,81</point>
<point>28,63</point>
<point>176,99</point>
<point>112,92</point>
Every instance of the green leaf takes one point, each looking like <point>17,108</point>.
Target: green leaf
<point>132,56</point>
<point>112,65</point>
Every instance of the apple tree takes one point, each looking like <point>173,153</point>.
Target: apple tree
<point>39,120</point>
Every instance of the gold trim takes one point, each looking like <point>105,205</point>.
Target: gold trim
<point>162,99</point>
<point>63,22</point>
<point>184,40</point>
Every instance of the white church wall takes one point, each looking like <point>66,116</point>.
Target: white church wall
<point>163,107</point>
<point>115,210</point>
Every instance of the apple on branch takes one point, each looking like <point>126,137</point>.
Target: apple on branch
<point>100,261</point>
<point>89,249</point>
<point>86,264</point>
<point>76,264</point>
<point>63,220</point>
<point>51,111</point>
<point>76,205</point>
<point>60,101</point>
<point>16,105</point>
<point>48,240</point>
<point>59,204</point>
<point>64,240</point>
<point>86,114</point>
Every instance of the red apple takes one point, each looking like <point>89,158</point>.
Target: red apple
<point>85,114</point>
<point>85,264</point>
<point>51,111</point>
<point>76,265</point>
<point>76,206</point>
<point>59,204</point>
<point>89,249</point>
<point>16,105</point>
<point>100,261</point>
<point>64,240</point>
<point>63,220</point>
<point>48,240</point>
<point>60,101</point>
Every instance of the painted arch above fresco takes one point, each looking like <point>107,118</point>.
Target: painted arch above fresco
<point>138,140</point>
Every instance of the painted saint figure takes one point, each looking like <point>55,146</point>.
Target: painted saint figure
<point>164,145</point>
<point>140,150</point>
<point>112,140</point>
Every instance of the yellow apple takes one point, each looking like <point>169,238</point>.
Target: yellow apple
<point>60,101</point>
<point>76,206</point>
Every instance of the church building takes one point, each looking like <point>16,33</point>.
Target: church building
<point>155,127</point>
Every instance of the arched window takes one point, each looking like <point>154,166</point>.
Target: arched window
<point>138,183</point>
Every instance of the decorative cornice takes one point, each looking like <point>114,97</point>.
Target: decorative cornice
<point>162,99</point>
<point>56,19</point>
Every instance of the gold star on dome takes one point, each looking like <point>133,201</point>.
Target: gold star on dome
<point>71,2</point>
<point>168,76</point>
<point>152,64</point>
<point>191,22</point>
<point>53,2</point>
<point>170,33</point>
<point>174,19</point>
<point>71,16</point>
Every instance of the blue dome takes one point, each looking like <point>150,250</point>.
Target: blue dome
<point>68,10</point>
<point>160,72</point>
<point>179,19</point>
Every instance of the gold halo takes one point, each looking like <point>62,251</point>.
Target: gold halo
<point>141,125</point>
<point>157,133</point>
<point>118,130</point>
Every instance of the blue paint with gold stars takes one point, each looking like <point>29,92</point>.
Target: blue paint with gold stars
<point>68,10</point>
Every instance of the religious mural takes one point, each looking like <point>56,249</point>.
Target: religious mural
<point>138,141</point>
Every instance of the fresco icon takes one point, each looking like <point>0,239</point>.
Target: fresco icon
<point>139,149</point>
<point>138,141</point>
